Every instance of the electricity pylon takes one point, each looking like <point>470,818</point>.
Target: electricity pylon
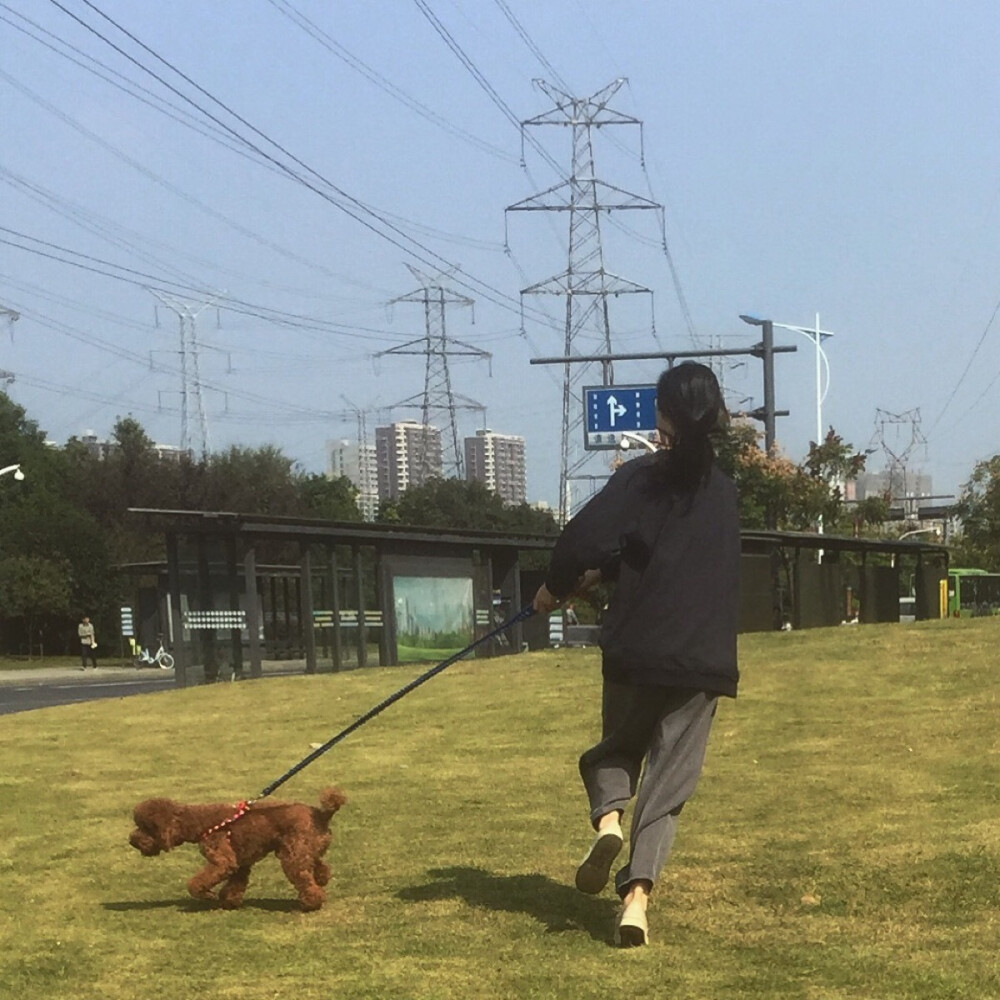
<point>12,316</point>
<point>585,283</point>
<point>898,444</point>
<point>367,481</point>
<point>438,403</point>
<point>187,313</point>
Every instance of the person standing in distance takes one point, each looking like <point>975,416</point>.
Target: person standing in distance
<point>88,643</point>
<point>666,529</point>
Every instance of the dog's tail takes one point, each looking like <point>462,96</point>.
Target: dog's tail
<point>330,800</point>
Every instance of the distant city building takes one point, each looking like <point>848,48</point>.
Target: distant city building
<point>168,452</point>
<point>101,449</point>
<point>356,462</point>
<point>904,488</point>
<point>893,482</point>
<point>94,445</point>
<point>407,454</point>
<point>498,461</point>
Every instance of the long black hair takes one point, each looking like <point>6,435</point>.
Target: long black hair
<point>688,395</point>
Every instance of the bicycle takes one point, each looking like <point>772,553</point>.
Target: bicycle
<point>161,658</point>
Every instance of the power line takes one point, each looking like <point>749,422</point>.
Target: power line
<point>484,84</point>
<point>133,241</point>
<point>142,279</point>
<point>354,208</point>
<point>122,83</point>
<point>532,47</point>
<point>270,405</point>
<point>965,371</point>
<point>373,76</point>
<point>189,121</point>
<point>165,184</point>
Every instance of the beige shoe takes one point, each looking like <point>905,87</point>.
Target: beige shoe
<point>592,875</point>
<point>631,928</point>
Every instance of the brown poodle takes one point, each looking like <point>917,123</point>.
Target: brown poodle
<point>233,841</point>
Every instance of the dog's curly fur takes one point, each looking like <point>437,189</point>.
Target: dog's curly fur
<point>296,833</point>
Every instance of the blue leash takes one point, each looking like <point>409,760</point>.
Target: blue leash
<point>526,612</point>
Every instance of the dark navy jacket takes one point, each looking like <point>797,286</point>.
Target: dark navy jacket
<point>673,618</point>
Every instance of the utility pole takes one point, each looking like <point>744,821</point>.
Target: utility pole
<point>12,316</point>
<point>585,283</point>
<point>438,401</point>
<point>187,314</point>
<point>767,356</point>
<point>368,498</point>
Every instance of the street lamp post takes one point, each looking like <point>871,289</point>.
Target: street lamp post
<point>817,336</point>
<point>935,530</point>
<point>16,469</point>
<point>919,531</point>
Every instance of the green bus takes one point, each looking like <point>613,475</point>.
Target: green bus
<point>970,593</point>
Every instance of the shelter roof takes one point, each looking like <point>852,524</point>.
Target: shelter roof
<point>335,532</point>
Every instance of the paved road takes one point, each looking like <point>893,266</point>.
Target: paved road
<point>23,690</point>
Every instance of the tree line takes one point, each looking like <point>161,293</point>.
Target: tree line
<point>64,529</point>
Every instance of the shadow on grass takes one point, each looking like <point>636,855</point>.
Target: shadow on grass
<point>186,905</point>
<point>559,907</point>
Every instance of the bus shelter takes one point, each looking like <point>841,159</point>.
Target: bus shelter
<point>237,589</point>
<point>805,580</point>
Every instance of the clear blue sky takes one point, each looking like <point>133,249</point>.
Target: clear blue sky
<point>840,158</point>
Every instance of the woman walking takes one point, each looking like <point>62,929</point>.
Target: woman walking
<point>88,643</point>
<point>666,529</point>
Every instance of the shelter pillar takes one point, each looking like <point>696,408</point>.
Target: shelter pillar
<point>387,638</point>
<point>253,607</point>
<point>306,617</point>
<point>174,604</point>
<point>236,634</point>
<point>338,644</point>
<point>359,585</point>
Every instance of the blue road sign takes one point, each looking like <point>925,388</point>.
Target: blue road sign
<point>611,409</point>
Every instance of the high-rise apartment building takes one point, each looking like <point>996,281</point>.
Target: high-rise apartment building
<point>407,454</point>
<point>356,461</point>
<point>498,461</point>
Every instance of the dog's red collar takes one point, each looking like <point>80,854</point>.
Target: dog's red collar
<point>242,808</point>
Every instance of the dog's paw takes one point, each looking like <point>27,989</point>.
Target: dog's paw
<point>312,899</point>
<point>199,890</point>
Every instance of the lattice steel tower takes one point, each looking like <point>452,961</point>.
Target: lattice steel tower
<point>585,283</point>
<point>438,403</point>
<point>187,314</point>
<point>898,435</point>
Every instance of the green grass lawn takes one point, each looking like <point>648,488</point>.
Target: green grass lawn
<point>844,842</point>
<point>418,654</point>
<point>38,662</point>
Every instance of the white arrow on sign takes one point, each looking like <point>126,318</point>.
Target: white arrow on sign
<point>615,410</point>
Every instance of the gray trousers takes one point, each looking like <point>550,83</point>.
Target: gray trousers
<point>666,727</point>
